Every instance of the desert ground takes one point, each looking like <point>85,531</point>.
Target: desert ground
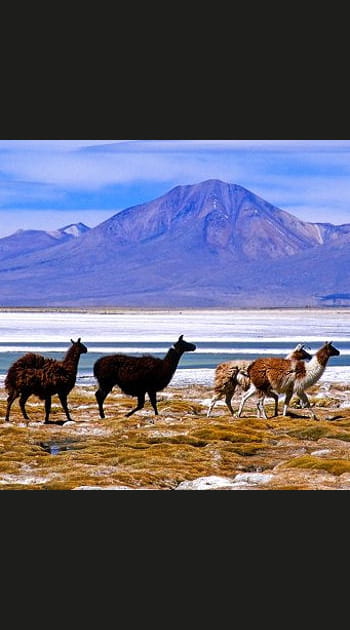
<point>181,448</point>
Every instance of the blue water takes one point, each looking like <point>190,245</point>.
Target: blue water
<point>219,336</point>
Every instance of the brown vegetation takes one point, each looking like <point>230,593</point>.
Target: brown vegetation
<point>181,447</point>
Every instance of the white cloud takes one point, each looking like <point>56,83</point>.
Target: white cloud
<point>176,161</point>
<point>12,192</point>
<point>300,176</point>
<point>301,188</point>
<point>92,171</point>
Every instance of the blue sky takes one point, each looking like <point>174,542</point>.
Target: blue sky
<point>46,184</point>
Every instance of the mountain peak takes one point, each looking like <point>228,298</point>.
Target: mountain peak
<point>72,230</point>
<point>211,184</point>
<point>210,216</point>
<point>207,244</point>
<point>75,229</point>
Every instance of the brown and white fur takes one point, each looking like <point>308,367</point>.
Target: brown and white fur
<point>227,377</point>
<point>274,376</point>
<point>231,374</point>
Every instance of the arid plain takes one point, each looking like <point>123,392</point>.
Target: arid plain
<point>181,449</point>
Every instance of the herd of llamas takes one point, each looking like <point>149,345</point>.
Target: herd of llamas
<point>33,374</point>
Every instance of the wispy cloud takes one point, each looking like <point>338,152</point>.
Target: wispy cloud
<point>17,192</point>
<point>89,171</point>
<point>95,164</point>
<point>309,178</point>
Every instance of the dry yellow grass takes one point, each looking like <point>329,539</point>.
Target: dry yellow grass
<point>180,445</point>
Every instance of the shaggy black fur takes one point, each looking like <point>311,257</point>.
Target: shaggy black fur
<point>35,375</point>
<point>137,376</point>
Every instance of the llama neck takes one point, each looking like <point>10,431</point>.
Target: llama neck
<point>72,358</point>
<point>313,370</point>
<point>171,360</point>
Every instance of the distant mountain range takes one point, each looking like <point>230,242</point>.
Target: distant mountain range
<point>212,244</point>
<point>26,241</point>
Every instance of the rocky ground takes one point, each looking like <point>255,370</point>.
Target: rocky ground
<point>181,449</point>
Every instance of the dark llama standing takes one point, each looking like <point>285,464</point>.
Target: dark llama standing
<point>36,375</point>
<point>137,376</point>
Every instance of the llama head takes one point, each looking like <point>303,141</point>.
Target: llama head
<point>330,349</point>
<point>300,353</point>
<point>182,346</point>
<point>80,346</point>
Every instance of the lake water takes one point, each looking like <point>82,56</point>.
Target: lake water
<point>220,335</point>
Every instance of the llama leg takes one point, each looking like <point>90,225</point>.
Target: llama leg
<point>140,405</point>
<point>63,400</point>
<point>258,408</point>
<point>22,401</point>
<point>47,409</point>
<point>275,397</point>
<point>153,399</point>
<point>100,397</point>
<point>248,394</point>
<point>286,402</point>
<point>261,413</point>
<point>228,399</point>
<point>304,399</point>
<point>306,403</point>
<point>10,398</point>
<point>212,403</point>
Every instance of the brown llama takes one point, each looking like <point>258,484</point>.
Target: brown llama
<point>231,374</point>
<point>136,376</point>
<point>228,376</point>
<point>273,376</point>
<point>36,375</point>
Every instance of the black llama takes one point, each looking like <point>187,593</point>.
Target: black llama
<point>138,376</point>
<point>35,375</point>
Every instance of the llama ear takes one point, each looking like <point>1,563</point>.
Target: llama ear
<point>71,341</point>
<point>180,338</point>
<point>79,340</point>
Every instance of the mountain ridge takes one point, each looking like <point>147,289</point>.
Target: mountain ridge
<point>31,240</point>
<point>210,243</point>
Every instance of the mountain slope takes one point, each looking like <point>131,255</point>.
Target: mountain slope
<point>25,241</point>
<point>210,244</point>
